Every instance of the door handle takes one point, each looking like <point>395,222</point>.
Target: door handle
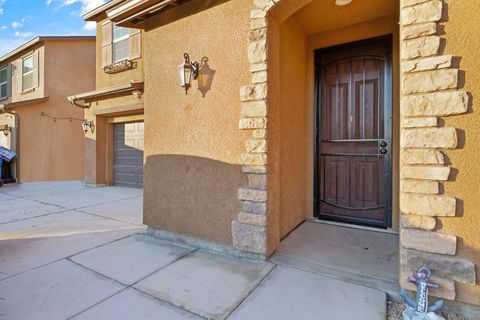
<point>383,150</point>
<point>383,143</point>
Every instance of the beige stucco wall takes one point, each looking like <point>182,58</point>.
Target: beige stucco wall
<point>48,149</point>
<point>461,35</point>
<point>192,143</point>
<point>293,135</point>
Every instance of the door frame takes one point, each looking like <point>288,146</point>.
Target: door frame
<point>388,127</point>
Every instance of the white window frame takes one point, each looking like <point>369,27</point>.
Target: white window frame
<point>32,72</point>
<point>4,83</point>
<point>115,41</point>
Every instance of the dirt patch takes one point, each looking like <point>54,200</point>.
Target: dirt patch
<point>395,310</point>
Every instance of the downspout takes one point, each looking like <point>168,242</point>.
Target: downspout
<point>15,136</point>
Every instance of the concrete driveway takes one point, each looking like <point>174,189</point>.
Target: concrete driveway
<point>68,251</point>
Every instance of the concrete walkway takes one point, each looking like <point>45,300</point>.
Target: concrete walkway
<point>73,252</point>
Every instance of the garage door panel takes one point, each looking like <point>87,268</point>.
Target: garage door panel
<point>128,154</point>
<point>127,161</point>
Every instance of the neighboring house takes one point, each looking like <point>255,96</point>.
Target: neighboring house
<point>41,126</point>
<point>114,146</point>
<point>302,109</point>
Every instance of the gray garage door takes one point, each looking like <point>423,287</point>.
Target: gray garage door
<point>128,155</point>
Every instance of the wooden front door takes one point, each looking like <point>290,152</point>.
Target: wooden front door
<point>354,133</point>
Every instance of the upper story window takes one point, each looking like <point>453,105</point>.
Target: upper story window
<point>119,45</point>
<point>120,48</point>
<point>3,82</point>
<point>28,71</point>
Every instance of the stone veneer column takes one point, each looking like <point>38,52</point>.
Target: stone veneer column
<point>249,230</point>
<point>429,90</point>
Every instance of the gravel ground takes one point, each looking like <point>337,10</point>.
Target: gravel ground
<point>395,312</point>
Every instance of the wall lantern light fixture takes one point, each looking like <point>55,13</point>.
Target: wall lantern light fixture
<point>186,71</point>
<point>6,131</point>
<point>88,125</point>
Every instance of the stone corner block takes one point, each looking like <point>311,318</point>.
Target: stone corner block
<point>435,104</point>
<point>257,51</point>
<point>425,172</point>
<point>253,219</point>
<point>254,109</point>
<point>252,123</point>
<point>258,13</point>
<point>252,195</point>
<point>253,159</point>
<point>420,47</point>
<point>425,64</point>
<point>429,138</point>
<point>254,169</point>
<point>264,5</point>
<point>253,92</point>
<point>418,222</point>
<point>418,30</point>
<point>419,122</point>
<point>420,186</point>
<point>430,81</point>
<point>428,205</point>
<point>256,145</point>
<point>254,207</point>
<point>422,156</point>
<point>448,267</point>
<point>249,238</point>
<point>257,67</point>
<point>430,11</point>
<point>257,181</point>
<point>428,241</point>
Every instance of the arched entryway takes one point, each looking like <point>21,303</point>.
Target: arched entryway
<point>282,111</point>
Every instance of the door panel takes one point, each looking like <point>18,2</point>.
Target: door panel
<point>353,133</point>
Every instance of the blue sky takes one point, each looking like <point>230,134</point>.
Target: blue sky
<point>23,20</point>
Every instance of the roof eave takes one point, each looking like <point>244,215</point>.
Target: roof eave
<point>40,39</point>
<point>95,13</point>
<point>83,100</point>
<point>130,12</point>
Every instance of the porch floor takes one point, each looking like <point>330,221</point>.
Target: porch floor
<point>68,251</point>
<point>362,257</point>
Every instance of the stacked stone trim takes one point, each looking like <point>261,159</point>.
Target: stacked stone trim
<point>429,90</point>
<point>249,229</point>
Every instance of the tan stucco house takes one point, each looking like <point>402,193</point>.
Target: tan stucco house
<point>36,120</point>
<point>357,112</point>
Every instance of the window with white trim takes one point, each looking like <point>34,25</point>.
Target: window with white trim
<point>3,83</point>
<point>28,72</point>
<point>120,43</point>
